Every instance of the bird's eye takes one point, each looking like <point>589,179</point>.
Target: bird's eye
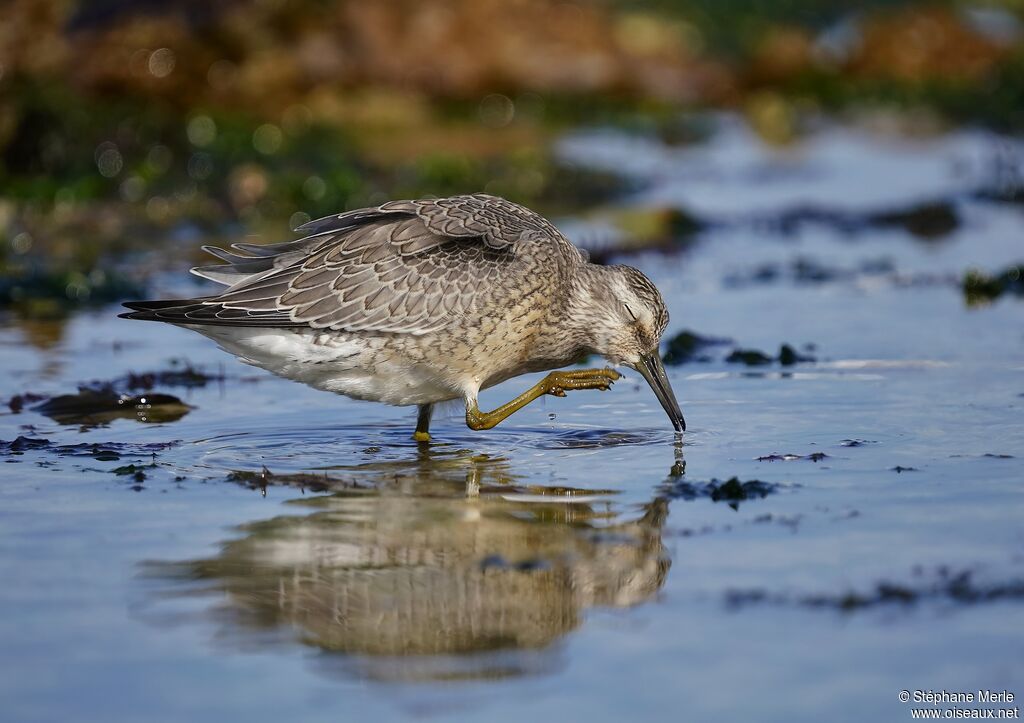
<point>630,312</point>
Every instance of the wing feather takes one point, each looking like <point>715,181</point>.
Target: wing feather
<point>404,267</point>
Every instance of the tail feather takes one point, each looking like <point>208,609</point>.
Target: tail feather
<point>151,310</point>
<point>242,273</point>
<point>151,305</point>
<point>205,312</point>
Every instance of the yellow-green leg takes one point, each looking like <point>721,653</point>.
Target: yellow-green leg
<point>422,433</point>
<point>555,384</point>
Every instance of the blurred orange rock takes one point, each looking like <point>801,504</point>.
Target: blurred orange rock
<point>248,184</point>
<point>261,55</point>
<point>781,53</point>
<point>32,36</point>
<point>924,43</point>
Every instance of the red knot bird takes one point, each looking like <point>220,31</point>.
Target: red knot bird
<point>420,302</point>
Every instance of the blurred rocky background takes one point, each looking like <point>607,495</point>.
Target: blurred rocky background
<point>130,129</point>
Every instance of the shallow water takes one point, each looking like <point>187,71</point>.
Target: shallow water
<point>293,554</point>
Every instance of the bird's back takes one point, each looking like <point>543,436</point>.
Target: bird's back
<point>404,267</point>
<point>470,282</point>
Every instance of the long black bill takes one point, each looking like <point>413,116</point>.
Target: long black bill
<point>650,367</point>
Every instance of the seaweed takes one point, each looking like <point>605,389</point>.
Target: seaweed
<point>927,221</point>
<point>99,451</point>
<point>806,270</point>
<point>958,587</point>
<point>788,356</point>
<point>732,491</point>
<point>100,406</point>
<point>18,401</point>
<point>749,357</point>
<point>135,471</point>
<point>186,376</point>
<point>980,289</point>
<point>813,457</point>
<point>21,444</point>
<point>99,402</point>
<point>687,345</point>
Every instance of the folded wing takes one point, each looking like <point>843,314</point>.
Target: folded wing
<point>405,267</point>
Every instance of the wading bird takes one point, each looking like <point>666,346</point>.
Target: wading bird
<point>420,302</point>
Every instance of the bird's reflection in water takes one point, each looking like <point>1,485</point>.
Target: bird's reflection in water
<point>443,569</point>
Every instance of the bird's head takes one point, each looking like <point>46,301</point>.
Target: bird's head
<point>627,317</point>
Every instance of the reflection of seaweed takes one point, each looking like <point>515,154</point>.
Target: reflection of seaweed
<point>410,578</point>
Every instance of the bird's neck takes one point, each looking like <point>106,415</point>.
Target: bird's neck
<point>589,306</point>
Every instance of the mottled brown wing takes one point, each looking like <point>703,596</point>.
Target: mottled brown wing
<point>408,266</point>
<point>499,223</point>
<point>360,280</point>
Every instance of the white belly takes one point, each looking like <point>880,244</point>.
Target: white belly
<point>361,367</point>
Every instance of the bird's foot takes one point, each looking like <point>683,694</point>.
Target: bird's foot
<point>558,383</point>
<point>477,420</point>
<point>421,437</point>
<point>555,383</point>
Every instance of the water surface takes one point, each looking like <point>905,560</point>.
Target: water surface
<point>294,554</point>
